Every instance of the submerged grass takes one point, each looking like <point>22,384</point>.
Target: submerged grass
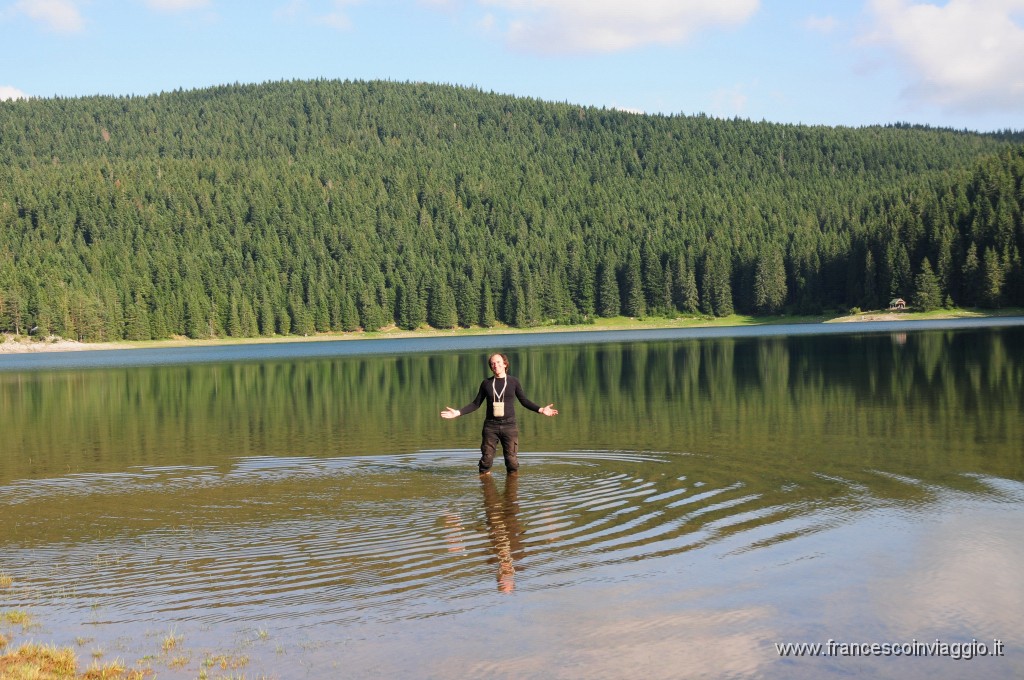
<point>35,661</point>
<point>32,660</point>
<point>17,617</point>
<point>171,642</point>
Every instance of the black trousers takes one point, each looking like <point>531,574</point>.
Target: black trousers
<point>508,434</point>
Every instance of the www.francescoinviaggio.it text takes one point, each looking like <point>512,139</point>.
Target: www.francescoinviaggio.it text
<point>958,651</point>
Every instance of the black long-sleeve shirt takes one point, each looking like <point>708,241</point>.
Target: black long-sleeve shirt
<point>513,391</point>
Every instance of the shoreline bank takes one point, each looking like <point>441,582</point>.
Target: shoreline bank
<point>20,344</point>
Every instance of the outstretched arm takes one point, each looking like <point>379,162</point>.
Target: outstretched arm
<point>544,410</point>
<point>448,413</point>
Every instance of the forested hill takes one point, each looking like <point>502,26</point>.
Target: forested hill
<point>298,207</point>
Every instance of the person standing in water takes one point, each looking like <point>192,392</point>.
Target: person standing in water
<point>500,392</point>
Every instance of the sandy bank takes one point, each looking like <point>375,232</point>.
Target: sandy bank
<point>18,345</point>
<point>10,344</point>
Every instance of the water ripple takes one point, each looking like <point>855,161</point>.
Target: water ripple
<point>412,535</point>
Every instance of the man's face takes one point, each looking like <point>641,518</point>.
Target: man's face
<point>497,365</point>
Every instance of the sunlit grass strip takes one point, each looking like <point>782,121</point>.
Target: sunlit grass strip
<point>33,661</point>
<point>115,670</point>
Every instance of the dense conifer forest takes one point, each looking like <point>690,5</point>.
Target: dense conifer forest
<point>302,207</point>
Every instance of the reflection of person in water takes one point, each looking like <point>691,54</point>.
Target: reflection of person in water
<point>503,528</point>
<point>500,392</point>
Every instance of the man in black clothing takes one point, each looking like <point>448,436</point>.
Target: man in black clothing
<point>500,393</point>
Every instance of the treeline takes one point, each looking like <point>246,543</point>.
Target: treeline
<point>302,207</point>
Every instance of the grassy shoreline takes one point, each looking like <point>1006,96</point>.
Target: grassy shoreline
<point>18,344</point>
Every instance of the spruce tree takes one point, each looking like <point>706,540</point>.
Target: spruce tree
<point>486,319</point>
<point>371,313</point>
<point>633,302</point>
<point>348,318</point>
<point>992,291</point>
<point>971,286</point>
<point>870,297</point>
<point>769,282</point>
<point>927,295</point>
<point>607,291</point>
<point>441,306</point>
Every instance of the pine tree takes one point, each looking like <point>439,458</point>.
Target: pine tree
<point>348,314</point>
<point>441,306</point>
<point>514,309</point>
<point>708,277</point>
<point>302,319</point>
<point>405,307</point>
<point>971,279</point>
<point>581,281</point>
<point>684,289</point>
<point>927,295</point>
<point>992,292</point>
<point>467,300</point>
<point>247,320</point>
<point>529,306</point>
<point>371,313</point>
<point>486,319</point>
<point>196,315</point>
<point>607,291</point>
<point>234,319</point>
<point>633,302</point>
<point>769,282</point>
<point>870,297</point>
<point>902,280</point>
<point>652,276</point>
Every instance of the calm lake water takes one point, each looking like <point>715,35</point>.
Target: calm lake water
<point>304,512</point>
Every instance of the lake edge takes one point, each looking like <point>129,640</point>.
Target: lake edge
<point>264,349</point>
<point>22,345</point>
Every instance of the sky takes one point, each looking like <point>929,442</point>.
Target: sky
<point>952,63</point>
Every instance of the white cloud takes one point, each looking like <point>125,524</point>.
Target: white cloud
<point>290,10</point>
<point>8,92</point>
<point>177,5</point>
<point>966,55</point>
<point>824,25</point>
<point>338,18</point>
<point>333,13</point>
<point>61,16</point>
<point>563,26</point>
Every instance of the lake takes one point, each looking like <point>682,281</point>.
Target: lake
<point>703,499</point>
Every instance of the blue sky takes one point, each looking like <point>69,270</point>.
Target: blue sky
<point>957,63</point>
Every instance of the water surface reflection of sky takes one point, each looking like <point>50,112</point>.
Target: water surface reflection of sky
<point>697,502</point>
